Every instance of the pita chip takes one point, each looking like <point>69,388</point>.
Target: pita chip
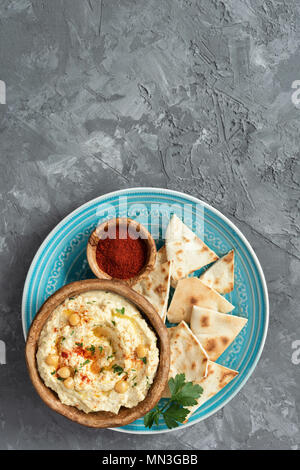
<point>187,355</point>
<point>156,286</point>
<point>187,251</point>
<point>217,377</point>
<point>190,292</point>
<point>220,276</point>
<point>161,257</point>
<point>215,330</point>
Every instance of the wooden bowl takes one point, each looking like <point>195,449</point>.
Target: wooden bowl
<point>100,419</point>
<point>123,221</point>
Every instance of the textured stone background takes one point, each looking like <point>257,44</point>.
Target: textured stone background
<point>184,94</point>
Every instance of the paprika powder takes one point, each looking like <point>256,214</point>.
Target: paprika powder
<point>121,258</point>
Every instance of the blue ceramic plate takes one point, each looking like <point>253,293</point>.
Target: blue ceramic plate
<point>62,259</point>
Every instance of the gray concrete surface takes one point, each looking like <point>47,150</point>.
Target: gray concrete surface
<point>184,94</point>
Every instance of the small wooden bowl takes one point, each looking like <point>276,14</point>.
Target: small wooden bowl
<point>100,419</point>
<point>124,221</point>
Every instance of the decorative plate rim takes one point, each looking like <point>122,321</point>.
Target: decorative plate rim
<point>222,217</point>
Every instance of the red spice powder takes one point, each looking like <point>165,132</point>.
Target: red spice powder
<point>85,377</point>
<point>121,258</point>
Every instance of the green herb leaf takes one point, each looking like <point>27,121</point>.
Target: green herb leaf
<point>117,369</point>
<point>151,417</point>
<point>79,344</point>
<point>188,394</point>
<point>100,349</point>
<point>174,414</point>
<point>121,310</point>
<point>182,394</point>
<point>84,363</point>
<point>156,418</point>
<point>175,384</point>
<point>91,348</point>
<point>144,359</point>
<point>113,322</point>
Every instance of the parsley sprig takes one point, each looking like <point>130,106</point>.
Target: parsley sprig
<point>92,349</point>
<point>182,394</point>
<point>117,369</point>
<point>121,310</point>
<point>84,363</point>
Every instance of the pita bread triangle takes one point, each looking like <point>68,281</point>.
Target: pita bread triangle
<point>220,276</point>
<point>161,256</point>
<point>187,354</point>
<point>192,291</point>
<point>217,377</point>
<point>187,251</point>
<point>215,330</point>
<point>156,286</point>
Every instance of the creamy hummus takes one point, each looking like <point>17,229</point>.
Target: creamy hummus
<point>98,353</point>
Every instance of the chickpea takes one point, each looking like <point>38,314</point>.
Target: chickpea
<point>69,383</point>
<point>64,372</point>
<point>141,351</point>
<point>52,360</point>
<point>121,386</point>
<point>95,367</point>
<point>99,331</point>
<point>74,319</point>
<point>68,312</point>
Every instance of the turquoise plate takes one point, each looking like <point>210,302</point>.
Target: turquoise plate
<point>62,259</point>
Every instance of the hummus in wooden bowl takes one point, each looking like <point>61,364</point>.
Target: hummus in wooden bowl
<point>98,353</point>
